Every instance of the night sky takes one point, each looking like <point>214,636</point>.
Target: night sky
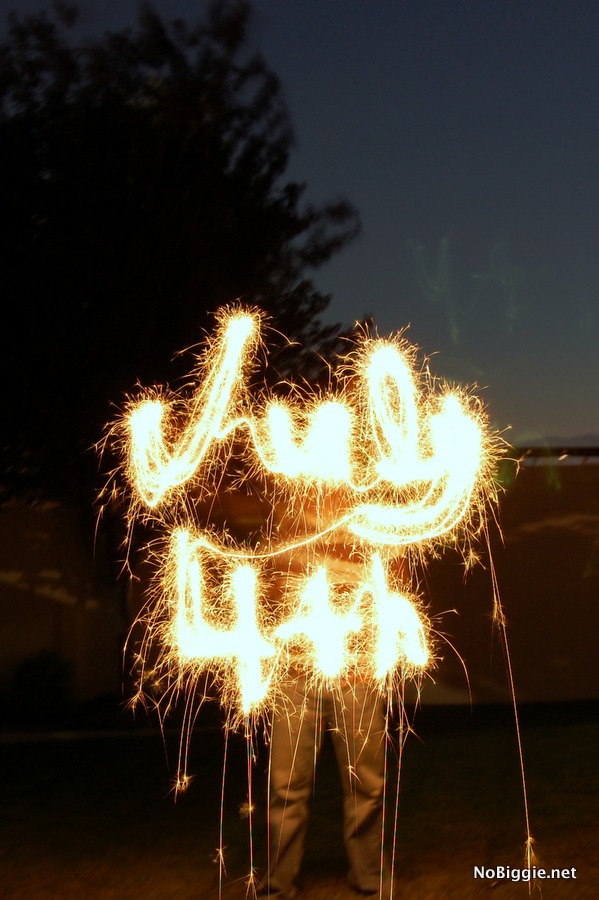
<point>467,136</point>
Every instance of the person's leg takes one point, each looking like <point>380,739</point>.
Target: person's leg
<point>294,744</point>
<point>359,740</point>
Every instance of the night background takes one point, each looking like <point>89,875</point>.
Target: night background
<point>419,165</point>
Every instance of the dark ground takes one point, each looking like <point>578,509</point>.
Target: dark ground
<point>92,816</point>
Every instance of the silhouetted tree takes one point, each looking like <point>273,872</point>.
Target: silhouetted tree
<point>140,187</point>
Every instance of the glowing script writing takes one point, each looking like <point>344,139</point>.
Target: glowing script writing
<point>386,462</point>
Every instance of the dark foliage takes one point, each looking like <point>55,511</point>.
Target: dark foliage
<point>141,187</point>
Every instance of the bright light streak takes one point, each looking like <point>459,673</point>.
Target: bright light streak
<point>393,414</point>
<point>383,468</point>
<point>322,626</point>
<point>241,645</point>
<point>389,462</point>
<point>284,450</point>
<point>399,632</point>
<point>443,482</point>
<point>157,470</point>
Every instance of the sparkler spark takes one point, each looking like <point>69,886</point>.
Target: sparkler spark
<point>387,462</point>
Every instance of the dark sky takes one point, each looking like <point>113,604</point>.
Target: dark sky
<point>467,135</point>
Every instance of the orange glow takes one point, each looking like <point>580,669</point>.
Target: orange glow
<point>387,463</point>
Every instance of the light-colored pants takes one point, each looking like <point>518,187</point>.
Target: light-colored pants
<point>355,717</point>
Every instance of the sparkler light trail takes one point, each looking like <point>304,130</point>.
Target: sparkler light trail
<point>287,524</point>
<point>387,462</point>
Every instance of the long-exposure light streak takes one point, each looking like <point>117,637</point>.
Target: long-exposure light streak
<point>388,460</point>
<point>241,644</point>
<point>325,628</point>
<point>158,470</point>
<point>361,479</point>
